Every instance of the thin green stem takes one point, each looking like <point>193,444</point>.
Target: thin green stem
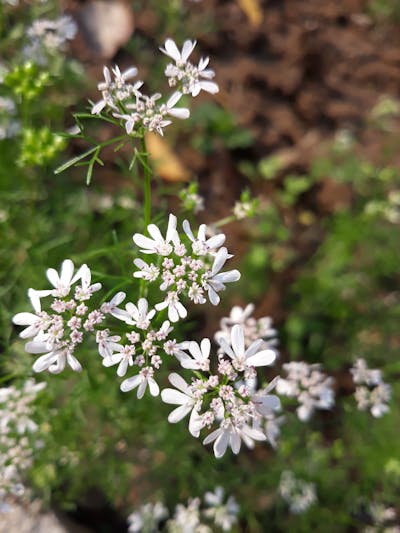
<point>224,221</point>
<point>146,183</point>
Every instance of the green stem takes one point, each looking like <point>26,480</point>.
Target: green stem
<point>144,159</point>
<point>224,221</point>
<point>146,183</point>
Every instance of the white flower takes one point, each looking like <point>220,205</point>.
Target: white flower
<point>176,310</point>
<point>187,402</point>
<point>200,359</point>
<point>243,358</point>
<point>117,90</point>
<point>141,380</point>
<point>62,282</point>
<point>229,435</point>
<point>123,358</point>
<point>158,244</point>
<point>224,515</point>
<point>216,281</point>
<point>186,76</point>
<point>36,323</point>
<point>55,360</point>
<point>139,315</point>
<point>200,244</point>
<point>107,344</point>
<point>147,518</point>
<point>85,291</point>
<point>146,272</point>
<point>112,308</point>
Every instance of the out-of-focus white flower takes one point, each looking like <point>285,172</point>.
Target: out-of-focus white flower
<point>311,387</point>
<point>223,514</point>
<point>371,391</point>
<point>147,518</point>
<point>185,76</point>
<point>253,328</point>
<point>298,494</point>
<point>46,37</point>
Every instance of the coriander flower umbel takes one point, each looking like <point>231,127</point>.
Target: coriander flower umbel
<point>57,332</point>
<point>221,398</point>
<point>185,76</point>
<point>146,112</point>
<point>191,267</point>
<point>117,90</point>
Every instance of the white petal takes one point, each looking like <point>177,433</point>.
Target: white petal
<point>235,442</point>
<point>171,231</point>
<point>74,363</point>
<point>254,347</point>
<point>205,347</point>
<point>212,436</point>
<point>228,277</point>
<point>219,261</point>
<point>122,367</point>
<point>67,271</point>
<point>179,413</point>
<point>188,47</point>
<point>225,346</point>
<point>36,347</point>
<point>130,383</point>
<point>221,444</point>
<point>213,296</point>
<point>155,232</point>
<point>263,358</point>
<point>209,86</point>
<point>43,362</point>
<point>177,381</point>
<point>188,230</point>
<point>237,337</point>
<point>52,276</point>
<point>24,319</point>
<point>179,112</point>
<point>174,397</point>
<point>170,49</point>
<point>195,423</point>
<point>143,242</point>
<point>216,241</point>
<point>153,386</point>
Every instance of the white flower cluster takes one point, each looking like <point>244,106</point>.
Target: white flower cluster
<point>126,101</point>
<point>57,332</point>
<point>372,393</point>
<point>46,37</point>
<point>143,344</point>
<point>384,519</point>
<point>311,387</point>
<point>297,493</point>
<point>190,518</point>
<point>187,268</point>
<point>9,127</point>
<point>222,398</point>
<point>16,424</point>
<point>253,328</point>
